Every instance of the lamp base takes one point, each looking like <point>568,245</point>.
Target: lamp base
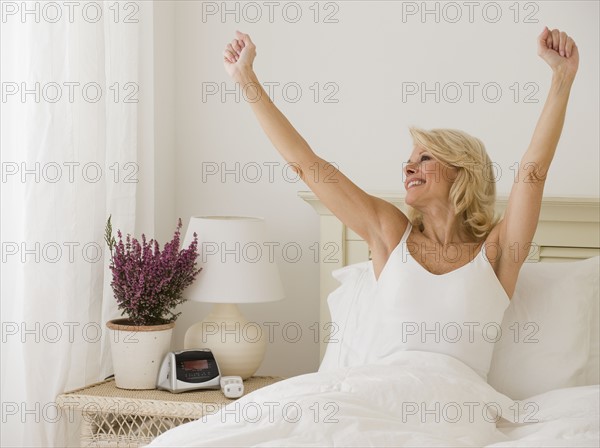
<point>238,345</point>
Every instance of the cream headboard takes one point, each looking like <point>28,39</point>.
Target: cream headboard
<point>569,229</point>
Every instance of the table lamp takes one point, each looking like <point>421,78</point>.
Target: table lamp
<point>237,267</point>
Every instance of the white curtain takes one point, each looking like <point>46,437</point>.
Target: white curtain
<point>67,164</point>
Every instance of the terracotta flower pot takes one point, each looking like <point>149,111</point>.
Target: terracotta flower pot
<point>137,352</point>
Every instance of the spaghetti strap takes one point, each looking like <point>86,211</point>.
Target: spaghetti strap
<point>406,232</point>
<point>483,253</point>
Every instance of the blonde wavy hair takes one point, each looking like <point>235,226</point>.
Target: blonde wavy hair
<point>473,193</point>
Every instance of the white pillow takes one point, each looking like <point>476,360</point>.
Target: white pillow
<point>341,302</point>
<point>547,330</point>
<point>592,369</point>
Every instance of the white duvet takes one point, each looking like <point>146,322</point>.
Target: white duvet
<point>412,398</point>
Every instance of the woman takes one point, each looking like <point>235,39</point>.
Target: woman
<point>448,183</point>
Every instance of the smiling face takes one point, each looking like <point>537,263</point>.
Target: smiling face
<point>458,176</point>
<point>426,179</point>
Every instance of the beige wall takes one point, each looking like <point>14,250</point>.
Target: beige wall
<point>372,56</point>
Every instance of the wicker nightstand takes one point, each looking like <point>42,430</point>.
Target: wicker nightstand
<point>114,417</point>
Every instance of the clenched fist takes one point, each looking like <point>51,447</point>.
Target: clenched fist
<point>559,51</point>
<point>239,55</point>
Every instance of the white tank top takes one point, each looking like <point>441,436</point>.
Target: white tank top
<point>409,308</point>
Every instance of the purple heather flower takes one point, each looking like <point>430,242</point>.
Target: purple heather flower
<point>147,283</point>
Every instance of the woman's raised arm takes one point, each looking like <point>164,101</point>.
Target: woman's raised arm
<point>374,219</point>
<point>517,228</point>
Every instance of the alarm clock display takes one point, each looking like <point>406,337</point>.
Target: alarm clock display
<point>190,369</point>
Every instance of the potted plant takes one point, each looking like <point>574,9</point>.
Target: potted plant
<point>148,284</point>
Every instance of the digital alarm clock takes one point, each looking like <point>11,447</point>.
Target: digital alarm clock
<point>189,369</point>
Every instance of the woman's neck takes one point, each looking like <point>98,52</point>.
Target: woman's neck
<point>443,227</point>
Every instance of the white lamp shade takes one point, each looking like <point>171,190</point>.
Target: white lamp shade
<point>237,265</point>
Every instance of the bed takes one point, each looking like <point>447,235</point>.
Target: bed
<point>541,389</point>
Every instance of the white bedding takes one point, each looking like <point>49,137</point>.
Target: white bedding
<point>412,398</point>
